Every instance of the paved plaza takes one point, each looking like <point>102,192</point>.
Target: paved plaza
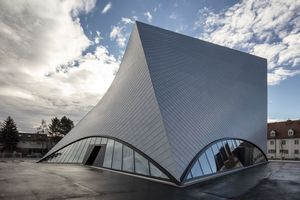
<point>21,179</point>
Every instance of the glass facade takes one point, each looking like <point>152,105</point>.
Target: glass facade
<point>218,157</point>
<point>115,155</point>
<point>222,156</point>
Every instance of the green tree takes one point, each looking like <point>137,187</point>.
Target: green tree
<point>59,128</point>
<point>9,134</point>
<point>66,125</point>
<point>55,127</point>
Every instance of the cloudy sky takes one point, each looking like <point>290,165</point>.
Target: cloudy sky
<point>59,57</point>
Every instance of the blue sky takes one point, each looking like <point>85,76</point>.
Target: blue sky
<point>58,58</point>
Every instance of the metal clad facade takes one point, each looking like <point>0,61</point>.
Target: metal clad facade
<point>205,92</point>
<point>174,94</point>
<point>128,110</point>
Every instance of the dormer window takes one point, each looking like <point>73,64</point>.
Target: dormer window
<point>290,132</point>
<point>272,133</point>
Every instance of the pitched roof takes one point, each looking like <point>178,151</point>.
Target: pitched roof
<point>281,129</point>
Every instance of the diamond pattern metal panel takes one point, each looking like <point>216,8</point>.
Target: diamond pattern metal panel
<point>128,110</point>
<point>205,92</point>
<point>174,94</point>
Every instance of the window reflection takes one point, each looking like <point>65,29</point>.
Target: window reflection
<point>225,155</point>
<point>80,146</point>
<point>141,164</point>
<point>156,172</point>
<point>196,170</point>
<point>108,153</point>
<point>189,176</point>
<point>104,141</point>
<point>72,152</point>
<point>98,140</point>
<point>211,159</point>
<point>115,156</point>
<point>204,164</point>
<point>82,154</point>
<point>128,164</point>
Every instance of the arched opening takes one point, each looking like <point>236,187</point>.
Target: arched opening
<point>222,156</point>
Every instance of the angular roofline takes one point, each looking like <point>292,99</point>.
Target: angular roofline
<point>207,42</point>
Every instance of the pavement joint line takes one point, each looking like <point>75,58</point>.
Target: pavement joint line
<point>86,188</point>
<point>216,195</point>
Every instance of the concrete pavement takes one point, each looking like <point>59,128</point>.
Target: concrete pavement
<point>29,180</point>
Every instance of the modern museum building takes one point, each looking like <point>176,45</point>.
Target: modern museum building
<point>180,110</point>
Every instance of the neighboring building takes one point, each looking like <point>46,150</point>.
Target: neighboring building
<point>179,109</point>
<point>30,145</point>
<point>33,144</point>
<point>284,140</point>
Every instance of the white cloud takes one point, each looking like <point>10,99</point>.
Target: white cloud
<point>43,72</point>
<point>173,16</point>
<point>119,32</point>
<point>127,20</point>
<point>135,18</point>
<point>118,35</point>
<point>265,28</point>
<point>280,74</point>
<point>149,16</point>
<point>106,8</point>
<point>275,120</point>
<point>97,38</point>
<point>41,36</point>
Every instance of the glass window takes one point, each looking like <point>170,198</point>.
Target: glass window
<point>225,156</point>
<point>57,156</point>
<point>61,152</point>
<point>68,153</point>
<point>189,176</point>
<point>204,164</point>
<point>226,147</point>
<point>230,145</point>
<point>78,151</point>
<point>215,149</point>
<point>108,153</point>
<point>128,164</point>
<point>233,144</point>
<point>223,153</point>
<point>98,140</point>
<point>240,142</point>
<point>211,160</point>
<point>73,152</point>
<point>51,157</point>
<point>104,141</point>
<point>141,164</point>
<point>237,143</point>
<point>93,140</point>
<point>220,145</point>
<point>196,170</point>
<point>154,171</point>
<point>117,157</point>
<point>54,157</point>
<point>83,152</point>
<point>218,158</point>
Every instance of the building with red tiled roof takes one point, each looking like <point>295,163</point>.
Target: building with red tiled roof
<point>283,140</point>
